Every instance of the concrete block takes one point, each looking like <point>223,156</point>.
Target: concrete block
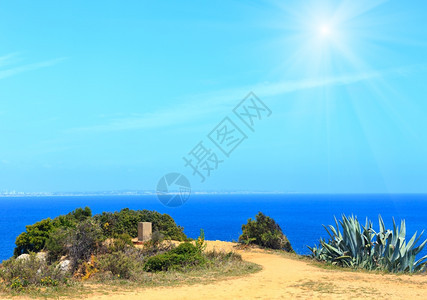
<point>144,231</point>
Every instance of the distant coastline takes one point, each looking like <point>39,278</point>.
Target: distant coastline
<point>14,194</point>
<point>129,193</point>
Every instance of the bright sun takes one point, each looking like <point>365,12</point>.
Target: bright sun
<point>318,36</point>
<point>325,30</point>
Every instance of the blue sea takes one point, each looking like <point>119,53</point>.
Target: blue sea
<point>221,216</point>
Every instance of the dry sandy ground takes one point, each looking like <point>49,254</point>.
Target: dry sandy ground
<point>289,278</point>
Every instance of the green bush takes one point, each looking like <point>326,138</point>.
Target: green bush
<point>265,232</point>
<point>360,246</point>
<point>19,273</point>
<point>35,237</point>
<point>56,244</point>
<point>185,255</point>
<point>83,241</point>
<point>120,243</point>
<point>163,262</point>
<point>50,234</point>
<point>186,249</point>
<point>73,218</point>
<point>157,244</point>
<point>126,221</point>
<point>120,264</point>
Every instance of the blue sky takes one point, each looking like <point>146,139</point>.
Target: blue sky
<point>103,95</point>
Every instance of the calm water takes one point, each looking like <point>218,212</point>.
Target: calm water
<point>221,216</point>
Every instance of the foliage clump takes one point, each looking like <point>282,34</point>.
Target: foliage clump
<point>126,221</point>
<point>50,234</point>
<point>121,264</point>
<point>265,232</point>
<point>185,255</point>
<point>83,241</point>
<point>31,270</point>
<point>88,244</point>
<point>359,246</point>
<point>36,236</point>
<point>78,246</point>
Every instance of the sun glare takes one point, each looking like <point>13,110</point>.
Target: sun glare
<point>325,30</point>
<point>323,39</point>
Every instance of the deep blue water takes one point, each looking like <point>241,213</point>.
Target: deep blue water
<point>221,216</point>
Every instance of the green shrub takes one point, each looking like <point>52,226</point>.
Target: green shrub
<point>126,221</point>
<point>54,235</point>
<point>186,248</point>
<point>19,273</point>
<point>56,244</point>
<point>80,214</point>
<point>120,264</point>
<point>83,241</point>
<point>185,255</point>
<point>34,238</point>
<point>157,238</point>
<point>157,244</point>
<point>361,247</point>
<point>265,232</point>
<point>121,242</point>
<point>163,262</point>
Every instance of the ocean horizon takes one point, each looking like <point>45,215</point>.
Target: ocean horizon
<point>221,215</point>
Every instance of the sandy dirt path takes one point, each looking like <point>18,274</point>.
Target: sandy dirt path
<point>289,278</point>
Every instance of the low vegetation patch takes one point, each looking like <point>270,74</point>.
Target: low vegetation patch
<point>63,254</point>
<point>50,233</point>
<point>17,274</point>
<point>184,256</point>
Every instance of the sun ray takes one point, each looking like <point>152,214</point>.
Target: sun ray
<point>320,41</point>
<point>314,32</point>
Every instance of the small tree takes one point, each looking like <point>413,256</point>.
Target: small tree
<point>34,238</point>
<point>265,232</point>
<point>83,241</point>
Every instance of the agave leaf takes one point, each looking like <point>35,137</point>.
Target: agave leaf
<point>418,238</point>
<point>404,263</point>
<point>420,247</point>
<point>330,234</point>
<point>402,233</point>
<point>342,257</point>
<point>411,242</point>
<point>382,227</point>
<point>419,263</point>
<point>395,234</point>
<point>411,263</point>
<point>333,249</point>
<point>334,231</point>
<point>396,251</point>
<point>338,228</point>
<point>352,242</point>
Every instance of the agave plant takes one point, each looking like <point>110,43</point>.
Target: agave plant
<point>360,246</point>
